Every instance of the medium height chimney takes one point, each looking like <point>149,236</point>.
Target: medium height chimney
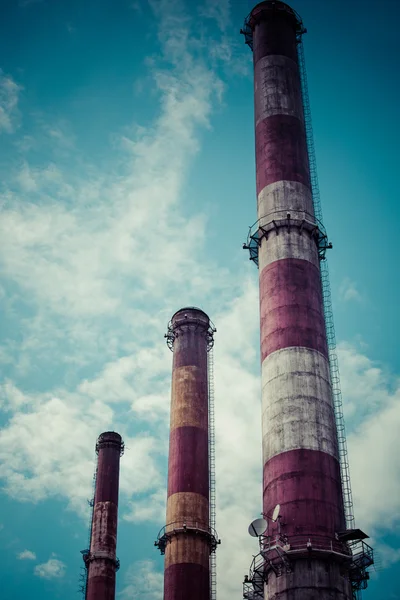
<point>187,540</point>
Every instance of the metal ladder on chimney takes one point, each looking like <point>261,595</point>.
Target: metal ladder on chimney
<point>326,293</point>
<point>84,570</point>
<point>211,465</point>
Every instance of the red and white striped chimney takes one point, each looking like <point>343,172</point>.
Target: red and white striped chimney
<point>300,453</point>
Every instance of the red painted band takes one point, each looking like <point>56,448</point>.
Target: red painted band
<point>274,34</point>
<point>307,485</point>
<point>186,581</point>
<point>188,461</point>
<point>107,479</point>
<point>281,151</point>
<point>190,349</point>
<point>291,307</point>
<point>101,587</point>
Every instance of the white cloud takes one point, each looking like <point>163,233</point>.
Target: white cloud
<point>52,569</point>
<point>372,411</point>
<point>385,556</point>
<point>85,259</point>
<point>148,507</point>
<point>238,436</point>
<point>375,464</point>
<point>366,386</point>
<point>348,291</point>
<point>55,455</point>
<point>59,132</point>
<point>127,379</point>
<point>227,51</point>
<point>9,95</point>
<point>55,441</point>
<point>26,555</point>
<point>217,11</point>
<point>101,261</point>
<point>11,398</point>
<point>142,580</point>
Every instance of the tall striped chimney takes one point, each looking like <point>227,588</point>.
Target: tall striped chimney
<point>101,560</point>
<point>301,470</point>
<point>187,540</point>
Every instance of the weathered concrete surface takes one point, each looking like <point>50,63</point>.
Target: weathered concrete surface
<point>281,151</point>
<point>188,461</point>
<point>187,553</point>
<point>277,199</point>
<point>181,506</point>
<point>102,556</point>
<point>297,403</point>
<point>104,528</point>
<point>273,35</point>
<point>180,577</point>
<point>288,243</point>
<point>301,468</point>
<point>187,548</point>
<point>277,88</point>
<point>310,581</point>
<point>189,387</point>
<point>291,307</point>
<point>306,483</point>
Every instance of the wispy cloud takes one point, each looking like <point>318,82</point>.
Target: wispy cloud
<point>52,569</point>
<point>24,3</point>
<point>35,472</point>
<point>367,387</point>
<point>99,261</point>
<point>375,400</point>
<point>136,6</point>
<point>219,11</point>
<point>348,291</point>
<point>9,96</point>
<point>372,410</point>
<point>142,580</point>
<point>26,555</point>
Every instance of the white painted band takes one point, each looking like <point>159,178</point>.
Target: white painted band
<point>287,243</point>
<point>277,88</point>
<point>282,197</point>
<point>297,406</point>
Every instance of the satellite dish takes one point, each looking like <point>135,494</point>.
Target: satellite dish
<point>275,514</point>
<point>258,527</point>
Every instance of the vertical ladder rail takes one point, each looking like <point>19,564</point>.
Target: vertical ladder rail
<point>211,464</point>
<point>327,298</point>
<point>84,578</point>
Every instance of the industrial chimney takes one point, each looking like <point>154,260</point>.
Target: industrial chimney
<point>101,560</point>
<point>188,540</point>
<point>305,550</point>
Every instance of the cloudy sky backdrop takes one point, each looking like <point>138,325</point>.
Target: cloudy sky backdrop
<point>127,188</point>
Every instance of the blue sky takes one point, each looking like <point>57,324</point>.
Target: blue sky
<point>128,185</point>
